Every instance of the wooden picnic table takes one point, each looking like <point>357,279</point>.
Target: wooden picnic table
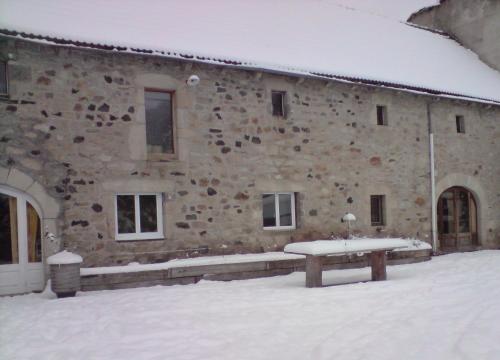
<point>316,251</point>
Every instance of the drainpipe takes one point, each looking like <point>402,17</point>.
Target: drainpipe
<point>433,181</point>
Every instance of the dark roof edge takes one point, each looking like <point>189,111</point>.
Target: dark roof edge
<point>243,65</point>
<point>422,11</point>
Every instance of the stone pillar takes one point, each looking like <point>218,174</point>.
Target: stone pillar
<point>65,273</point>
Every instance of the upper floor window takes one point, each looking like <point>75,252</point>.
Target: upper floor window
<point>377,207</point>
<point>3,78</point>
<point>460,121</point>
<point>278,100</point>
<point>381,115</point>
<point>278,211</point>
<point>159,121</point>
<point>139,216</point>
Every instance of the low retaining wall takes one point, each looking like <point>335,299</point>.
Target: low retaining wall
<point>236,271</point>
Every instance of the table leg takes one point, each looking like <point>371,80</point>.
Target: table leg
<point>378,262</point>
<point>314,271</point>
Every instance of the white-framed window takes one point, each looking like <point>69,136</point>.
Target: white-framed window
<point>278,211</point>
<point>138,216</point>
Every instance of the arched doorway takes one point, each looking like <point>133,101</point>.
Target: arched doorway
<point>21,268</point>
<point>457,220</point>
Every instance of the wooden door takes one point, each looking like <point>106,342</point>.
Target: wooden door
<point>457,219</point>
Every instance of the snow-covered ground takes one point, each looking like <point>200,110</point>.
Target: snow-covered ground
<point>447,308</point>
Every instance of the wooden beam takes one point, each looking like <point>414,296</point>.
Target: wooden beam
<point>314,276</point>
<point>378,263</point>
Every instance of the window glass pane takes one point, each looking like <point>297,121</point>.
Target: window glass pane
<point>9,253</point>
<point>463,212</point>
<point>375,210</point>
<point>285,209</point>
<point>277,101</point>
<point>460,124</point>
<point>381,115</point>
<point>34,234</point>
<point>448,213</point>
<point>126,214</point>
<point>159,126</point>
<point>3,77</point>
<point>268,210</point>
<point>147,204</point>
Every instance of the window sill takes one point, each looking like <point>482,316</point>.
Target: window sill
<point>285,228</point>
<point>162,157</point>
<point>138,237</point>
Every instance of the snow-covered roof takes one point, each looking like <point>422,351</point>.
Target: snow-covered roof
<point>306,37</point>
<point>396,9</point>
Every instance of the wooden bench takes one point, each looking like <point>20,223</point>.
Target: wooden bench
<point>316,251</point>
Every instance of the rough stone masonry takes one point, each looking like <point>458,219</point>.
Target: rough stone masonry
<point>74,121</point>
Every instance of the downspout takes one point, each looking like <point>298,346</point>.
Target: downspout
<point>433,180</point>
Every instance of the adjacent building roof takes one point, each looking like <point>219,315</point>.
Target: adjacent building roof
<point>307,37</point>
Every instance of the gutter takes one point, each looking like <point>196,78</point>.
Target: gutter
<point>244,65</point>
<point>433,181</point>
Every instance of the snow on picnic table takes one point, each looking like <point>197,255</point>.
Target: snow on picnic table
<point>445,309</point>
<point>341,247</point>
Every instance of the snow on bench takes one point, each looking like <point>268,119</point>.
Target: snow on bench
<point>410,244</point>
<point>315,251</point>
<point>198,261</point>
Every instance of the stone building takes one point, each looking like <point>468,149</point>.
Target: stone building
<point>128,154</point>
<point>473,23</point>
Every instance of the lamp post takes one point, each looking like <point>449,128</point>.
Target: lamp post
<point>348,217</point>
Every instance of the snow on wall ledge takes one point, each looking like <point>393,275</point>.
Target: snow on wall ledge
<point>303,36</point>
<point>404,245</point>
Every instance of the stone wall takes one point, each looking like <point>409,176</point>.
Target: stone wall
<point>75,123</point>
<point>474,23</point>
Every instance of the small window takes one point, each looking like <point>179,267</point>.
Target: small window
<point>460,124</point>
<point>159,122</point>
<point>381,115</point>
<point>377,203</point>
<point>278,211</point>
<point>139,216</point>
<point>3,78</point>
<point>278,100</point>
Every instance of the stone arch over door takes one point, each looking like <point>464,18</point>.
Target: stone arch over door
<point>472,185</point>
<point>48,207</point>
